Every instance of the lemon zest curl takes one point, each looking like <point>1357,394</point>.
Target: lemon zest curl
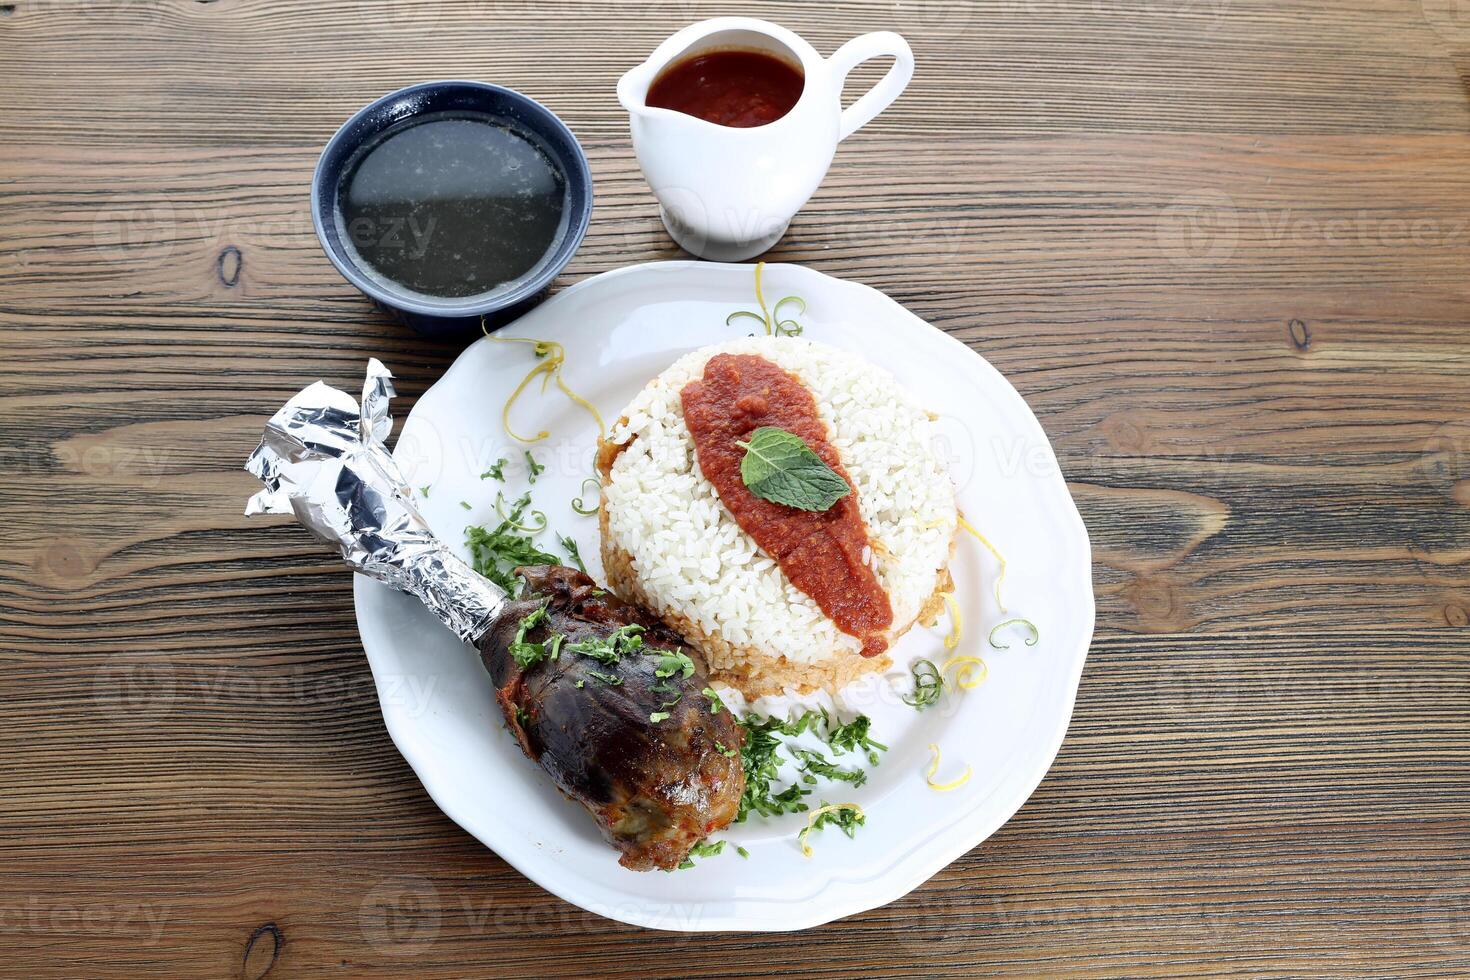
<point>998,557</point>
<point>934,767</point>
<point>956,624</point>
<point>552,358</point>
<point>964,677</point>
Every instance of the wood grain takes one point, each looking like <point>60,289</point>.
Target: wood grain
<point>1219,245</point>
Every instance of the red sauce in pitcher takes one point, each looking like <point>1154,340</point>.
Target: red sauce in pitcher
<point>740,89</point>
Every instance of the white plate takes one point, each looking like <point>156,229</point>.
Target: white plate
<point>620,329</point>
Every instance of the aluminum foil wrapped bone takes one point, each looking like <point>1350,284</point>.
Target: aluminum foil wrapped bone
<point>325,460</point>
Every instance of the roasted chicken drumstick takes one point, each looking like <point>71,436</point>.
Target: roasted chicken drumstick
<point>617,718</point>
<point>605,698</point>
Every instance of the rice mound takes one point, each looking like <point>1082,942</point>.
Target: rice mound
<point>669,543</point>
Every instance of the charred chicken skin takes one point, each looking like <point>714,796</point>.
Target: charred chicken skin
<point>609,702</point>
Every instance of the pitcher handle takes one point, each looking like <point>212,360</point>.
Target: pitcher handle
<point>879,44</point>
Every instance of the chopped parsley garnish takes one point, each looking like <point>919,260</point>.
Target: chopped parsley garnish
<point>853,736</point>
<point>715,704</point>
<point>789,799</point>
<point>536,468</point>
<point>670,664</point>
<point>725,750</point>
<point>762,766</point>
<point>658,716</point>
<point>496,472</point>
<point>496,553</point>
<point>464,504</point>
<point>611,680</point>
<point>705,849</point>
<point>805,722</point>
<point>846,817</point>
<point>758,756</point>
<point>528,654</point>
<point>611,648</point>
<point>663,688</point>
<point>928,685</point>
<point>424,490</point>
<point>816,764</point>
<point>570,547</point>
<point>517,509</point>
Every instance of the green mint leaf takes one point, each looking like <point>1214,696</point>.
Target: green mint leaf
<point>778,466</point>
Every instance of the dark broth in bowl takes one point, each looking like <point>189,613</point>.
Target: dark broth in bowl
<point>452,204</point>
<point>734,88</point>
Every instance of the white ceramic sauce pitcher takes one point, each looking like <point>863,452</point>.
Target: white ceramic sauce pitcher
<point>728,194</point>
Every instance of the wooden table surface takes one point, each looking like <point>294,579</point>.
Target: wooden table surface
<point>1221,247</point>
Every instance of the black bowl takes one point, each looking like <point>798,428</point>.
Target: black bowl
<point>451,317</point>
